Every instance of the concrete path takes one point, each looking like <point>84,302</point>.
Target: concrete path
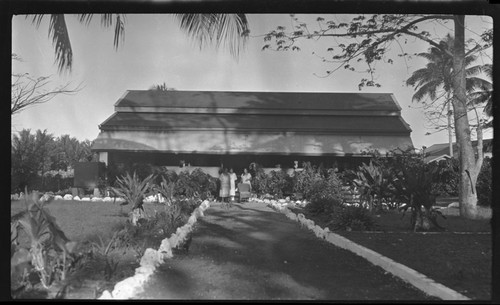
<point>250,252</point>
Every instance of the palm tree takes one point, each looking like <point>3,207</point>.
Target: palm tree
<point>483,93</point>
<point>230,30</point>
<point>437,77</point>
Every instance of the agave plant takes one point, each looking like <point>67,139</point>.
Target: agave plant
<point>167,190</point>
<point>373,180</point>
<point>133,190</point>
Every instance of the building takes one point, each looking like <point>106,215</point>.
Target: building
<point>209,129</point>
<point>441,151</point>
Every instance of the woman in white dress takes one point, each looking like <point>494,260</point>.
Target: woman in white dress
<point>232,184</point>
<point>224,185</point>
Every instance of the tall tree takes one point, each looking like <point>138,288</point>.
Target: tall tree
<point>434,82</point>
<point>68,150</point>
<point>29,156</point>
<point>368,40</point>
<point>228,30</point>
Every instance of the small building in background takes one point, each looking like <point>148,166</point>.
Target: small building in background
<point>210,129</point>
<point>441,151</point>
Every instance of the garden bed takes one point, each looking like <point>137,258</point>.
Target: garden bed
<point>84,223</point>
<point>460,257</point>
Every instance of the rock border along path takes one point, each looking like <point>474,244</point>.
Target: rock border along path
<point>132,286</point>
<point>407,274</point>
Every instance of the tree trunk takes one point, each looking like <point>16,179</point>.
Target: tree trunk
<point>468,168</point>
<point>450,134</point>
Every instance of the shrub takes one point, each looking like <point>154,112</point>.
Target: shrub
<point>194,184</point>
<point>279,183</point>
<point>351,218</point>
<point>260,181</point>
<point>322,206</point>
<point>483,185</point>
<point>330,188</point>
<point>447,177</point>
<point>306,180</point>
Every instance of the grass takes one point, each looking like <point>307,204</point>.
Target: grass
<point>459,258</point>
<point>85,222</point>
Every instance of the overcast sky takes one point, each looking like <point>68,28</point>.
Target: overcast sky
<point>156,51</point>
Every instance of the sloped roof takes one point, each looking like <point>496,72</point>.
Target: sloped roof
<point>257,100</point>
<point>298,123</point>
<point>289,122</point>
<point>442,150</point>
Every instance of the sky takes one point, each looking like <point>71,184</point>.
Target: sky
<point>156,51</point>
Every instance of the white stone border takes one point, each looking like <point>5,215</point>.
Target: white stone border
<point>132,286</point>
<point>408,275</point>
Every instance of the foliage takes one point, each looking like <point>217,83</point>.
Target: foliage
<point>484,186</point>
<point>304,180</point>
<point>322,189</point>
<point>447,176</point>
<point>279,183</point>
<point>166,189</point>
<point>351,218</point>
<point>322,206</point>
<point>259,180</point>
<point>161,87</point>
<point>328,188</point>
<point>29,156</point>
<point>229,29</point>
<point>374,182</point>
<point>435,82</point>
<point>413,186</point>
<point>49,247</point>
<point>150,231</point>
<point>367,40</point>
<point>40,161</point>
<point>104,250</point>
<point>195,184</point>
<point>133,189</point>
<point>69,150</point>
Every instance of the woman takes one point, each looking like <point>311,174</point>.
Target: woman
<point>246,177</point>
<point>232,184</point>
<point>224,185</point>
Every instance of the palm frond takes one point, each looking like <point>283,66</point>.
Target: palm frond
<point>85,18</point>
<point>37,19</point>
<point>476,83</point>
<point>119,31</point>
<point>229,30</point>
<point>61,42</point>
<point>428,89</point>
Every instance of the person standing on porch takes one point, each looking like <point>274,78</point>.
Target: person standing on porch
<point>232,184</point>
<point>224,185</point>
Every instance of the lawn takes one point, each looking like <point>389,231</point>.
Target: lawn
<point>459,258</point>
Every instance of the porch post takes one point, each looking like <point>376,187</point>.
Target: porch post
<point>103,157</point>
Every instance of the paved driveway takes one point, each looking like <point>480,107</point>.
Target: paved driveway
<point>250,252</point>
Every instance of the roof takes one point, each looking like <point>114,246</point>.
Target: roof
<point>228,122</point>
<point>254,122</point>
<point>261,102</point>
<point>439,151</point>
